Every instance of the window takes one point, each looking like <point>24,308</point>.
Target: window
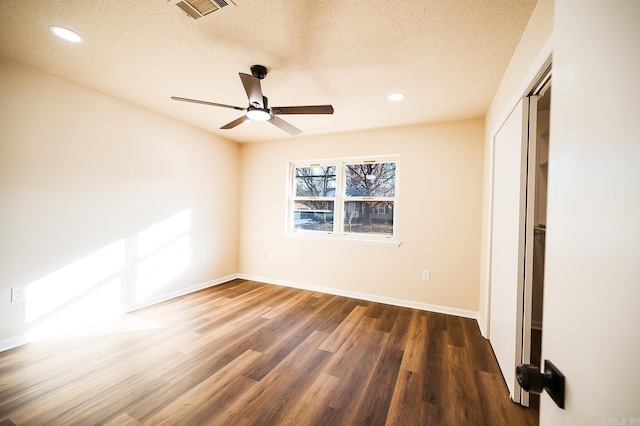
<point>350,198</point>
<point>314,200</point>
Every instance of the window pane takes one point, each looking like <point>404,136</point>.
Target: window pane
<point>370,180</point>
<point>313,215</point>
<point>316,181</point>
<point>369,217</point>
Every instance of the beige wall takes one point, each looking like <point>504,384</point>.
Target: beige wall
<point>440,186</point>
<point>530,55</point>
<point>88,180</point>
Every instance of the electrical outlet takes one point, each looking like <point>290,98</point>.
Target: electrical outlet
<point>272,255</point>
<point>17,294</point>
<point>203,259</point>
<point>426,275</point>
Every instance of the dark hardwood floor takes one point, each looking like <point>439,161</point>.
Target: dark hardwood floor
<point>245,353</point>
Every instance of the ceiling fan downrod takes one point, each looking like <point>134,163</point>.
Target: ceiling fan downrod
<point>259,71</point>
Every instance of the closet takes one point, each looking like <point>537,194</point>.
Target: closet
<point>518,234</point>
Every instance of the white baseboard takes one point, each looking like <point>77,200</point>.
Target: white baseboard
<point>482,326</point>
<point>366,296</point>
<point>178,293</point>
<point>14,342</point>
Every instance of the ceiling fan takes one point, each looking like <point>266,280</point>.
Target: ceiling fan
<point>258,109</point>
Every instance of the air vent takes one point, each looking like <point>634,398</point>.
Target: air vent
<point>199,8</point>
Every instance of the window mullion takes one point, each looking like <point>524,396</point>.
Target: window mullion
<point>339,205</point>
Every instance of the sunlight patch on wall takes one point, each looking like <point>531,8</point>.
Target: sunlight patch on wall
<point>94,308</point>
<point>158,235</point>
<point>77,297</point>
<point>161,266</point>
<point>63,286</point>
<point>164,252</point>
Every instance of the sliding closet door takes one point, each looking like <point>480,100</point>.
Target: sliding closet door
<point>507,244</point>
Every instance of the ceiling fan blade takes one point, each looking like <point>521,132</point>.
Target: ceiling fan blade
<point>235,122</point>
<point>310,109</point>
<point>253,88</point>
<point>195,101</point>
<point>279,122</point>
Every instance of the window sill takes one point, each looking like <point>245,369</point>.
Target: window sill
<point>392,243</point>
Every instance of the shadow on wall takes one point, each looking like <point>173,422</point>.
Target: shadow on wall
<point>108,281</point>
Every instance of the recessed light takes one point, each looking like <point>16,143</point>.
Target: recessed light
<point>394,97</point>
<point>66,34</point>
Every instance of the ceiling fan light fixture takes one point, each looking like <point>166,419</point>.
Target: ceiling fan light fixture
<point>395,97</point>
<point>258,115</point>
<point>66,34</point>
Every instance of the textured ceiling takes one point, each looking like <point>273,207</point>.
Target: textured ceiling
<point>448,56</point>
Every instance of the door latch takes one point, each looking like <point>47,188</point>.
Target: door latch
<point>532,380</point>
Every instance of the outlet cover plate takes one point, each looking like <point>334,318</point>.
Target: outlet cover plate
<point>17,294</point>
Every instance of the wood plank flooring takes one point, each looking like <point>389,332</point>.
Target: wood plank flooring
<point>246,353</point>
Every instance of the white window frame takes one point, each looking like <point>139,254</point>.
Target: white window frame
<point>293,198</point>
<point>340,201</point>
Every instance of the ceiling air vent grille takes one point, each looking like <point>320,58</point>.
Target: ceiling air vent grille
<point>199,8</point>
